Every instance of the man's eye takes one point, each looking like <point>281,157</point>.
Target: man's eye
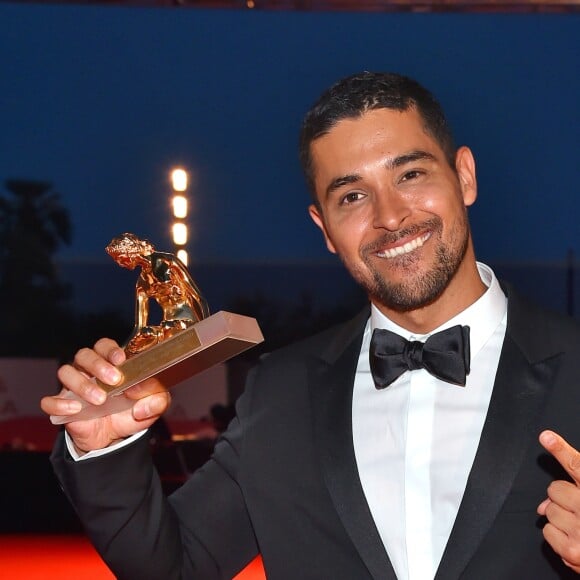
<point>351,197</point>
<point>409,175</point>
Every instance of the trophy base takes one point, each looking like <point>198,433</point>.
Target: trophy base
<point>210,341</point>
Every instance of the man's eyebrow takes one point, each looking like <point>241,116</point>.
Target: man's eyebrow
<point>338,182</point>
<point>410,157</point>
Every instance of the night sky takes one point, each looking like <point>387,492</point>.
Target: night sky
<point>102,101</point>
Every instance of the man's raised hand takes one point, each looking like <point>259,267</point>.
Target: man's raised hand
<point>562,506</point>
<point>151,398</point>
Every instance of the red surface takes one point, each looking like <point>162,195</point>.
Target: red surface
<point>50,557</point>
<point>36,433</point>
<point>40,557</point>
<point>253,571</point>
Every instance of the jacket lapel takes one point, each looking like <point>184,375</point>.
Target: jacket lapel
<point>331,385</point>
<point>522,382</point>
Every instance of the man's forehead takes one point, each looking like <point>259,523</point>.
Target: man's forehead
<point>404,131</point>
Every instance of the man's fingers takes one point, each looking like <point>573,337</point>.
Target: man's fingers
<point>563,545</point>
<point>563,452</point>
<point>541,509</point>
<point>77,382</point>
<point>145,388</point>
<point>566,495</point>
<point>563,519</point>
<point>151,406</point>
<point>60,406</point>
<point>96,365</point>
<point>110,350</point>
<point>151,396</point>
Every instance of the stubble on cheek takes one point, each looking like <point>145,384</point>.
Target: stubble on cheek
<point>416,285</point>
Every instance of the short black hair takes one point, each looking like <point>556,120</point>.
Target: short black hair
<point>354,95</point>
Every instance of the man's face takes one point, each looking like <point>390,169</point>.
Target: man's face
<point>391,206</point>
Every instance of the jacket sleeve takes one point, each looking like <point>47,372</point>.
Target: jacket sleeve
<point>202,531</point>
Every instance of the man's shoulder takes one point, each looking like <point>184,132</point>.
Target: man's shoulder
<point>328,340</point>
<point>528,319</point>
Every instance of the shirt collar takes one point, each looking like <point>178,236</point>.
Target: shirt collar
<point>482,317</point>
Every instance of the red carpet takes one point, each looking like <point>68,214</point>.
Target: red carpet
<point>50,557</point>
<point>56,557</point>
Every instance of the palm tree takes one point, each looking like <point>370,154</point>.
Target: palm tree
<point>33,226</point>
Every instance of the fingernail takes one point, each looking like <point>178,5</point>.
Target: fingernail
<point>97,396</point>
<point>142,411</point>
<point>148,408</point>
<point>156,406</point>
<point>117,356</point>
<point>548,438</point>
<point>113,376</point>
<point>74,406</point>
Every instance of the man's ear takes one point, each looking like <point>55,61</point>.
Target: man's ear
<point>317,218</point>
<point>465,166</point>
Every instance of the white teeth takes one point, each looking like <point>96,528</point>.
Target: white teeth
<point>405,248</point>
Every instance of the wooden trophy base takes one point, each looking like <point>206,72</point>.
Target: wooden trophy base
<point>210,341</point>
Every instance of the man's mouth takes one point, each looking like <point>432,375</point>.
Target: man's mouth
<point>404,248</point>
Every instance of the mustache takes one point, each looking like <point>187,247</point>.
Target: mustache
<point>434,224</point>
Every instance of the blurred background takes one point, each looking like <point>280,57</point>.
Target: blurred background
<point>101,101</point>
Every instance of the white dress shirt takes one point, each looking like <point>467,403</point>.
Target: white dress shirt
<point>415,441</point>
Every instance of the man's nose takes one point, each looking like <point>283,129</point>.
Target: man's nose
<point>390,210</point>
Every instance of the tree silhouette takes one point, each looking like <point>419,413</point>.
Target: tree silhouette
<point>33,301</point>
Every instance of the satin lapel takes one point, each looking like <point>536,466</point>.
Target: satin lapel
<point>519,391</point>
<point>331,385</point>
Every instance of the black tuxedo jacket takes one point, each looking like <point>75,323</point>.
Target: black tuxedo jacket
<point>283,480</point>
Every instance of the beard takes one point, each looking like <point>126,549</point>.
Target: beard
<point>418,288</point>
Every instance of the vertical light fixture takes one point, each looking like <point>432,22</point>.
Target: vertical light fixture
<point>179,203</point>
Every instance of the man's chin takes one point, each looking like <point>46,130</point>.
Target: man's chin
<point>403,304</point>
<point>404,293</point>
<point>399,272</point>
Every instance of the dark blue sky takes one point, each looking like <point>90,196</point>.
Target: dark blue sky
<point>103,101</point>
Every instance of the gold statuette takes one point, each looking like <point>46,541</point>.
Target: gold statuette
<point>185,342</point>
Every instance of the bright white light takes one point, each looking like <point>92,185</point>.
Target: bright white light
<point>180,206</point>
<point>179,234</point>
<point>182,255</point>
<point>179,179</point>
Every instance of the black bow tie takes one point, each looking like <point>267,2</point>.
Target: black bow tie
<point>444,354</point>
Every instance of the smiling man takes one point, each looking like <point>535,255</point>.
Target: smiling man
<point>422,439</point>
